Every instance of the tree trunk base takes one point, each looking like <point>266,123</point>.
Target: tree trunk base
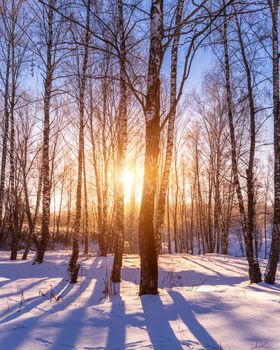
<point>13,255</point>
<point>270,274</point>
<point>73,271</point>
<point>102,254</point>
<point>39,258</point>
<point>255,273</point>
<point>116,274</point>
<point>145,290</point>
<point>148,285</point>
<point>25,254</point>
<point>14,249</point>
<point>269,279</point>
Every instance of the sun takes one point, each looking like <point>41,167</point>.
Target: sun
<point>128,183</point>
<point>131,183</point>
<point>127,178</point>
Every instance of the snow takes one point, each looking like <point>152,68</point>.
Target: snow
<point>205,302</point>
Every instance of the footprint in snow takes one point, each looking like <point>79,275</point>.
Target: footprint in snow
<point>43,341</point>
<point>16,328</point>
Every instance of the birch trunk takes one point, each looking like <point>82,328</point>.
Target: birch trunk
<point>101,240</point>
<point>5,137</point>
<point>170,130</point>
<point>31,221</point>
<point>73,267</point>
<point>14,197</point>
<point>121,151</point>
<point>254,269</point>
<point>250,169</point>
<point>275,242</point>
<point>86,231</point>
<point>104,230</point>
<point>147,244</point>
<point>46,190</point>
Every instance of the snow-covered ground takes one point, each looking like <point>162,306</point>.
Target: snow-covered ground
<point>204,303</point>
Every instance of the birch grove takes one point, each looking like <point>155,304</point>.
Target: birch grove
<point>112,143</point>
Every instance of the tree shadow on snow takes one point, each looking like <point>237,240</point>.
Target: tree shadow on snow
<point>28,270</point>
<point>116,335</point>
<point>63,289</point>
<point>19,303</point>
<point>76,319</point>
<point>226,266</point>
<point>188,277</point>
<point>273,289</point>
<point>34,302</point>
<point>160,332</point>
<point>191,278</point>
<point>184,309</point>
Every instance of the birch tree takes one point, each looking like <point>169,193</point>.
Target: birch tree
<point>121,151</point>
<point>170,130</point>
<point>275,242</point>
<point>147,244</point>
<point>73,267</point>
<point>50,29</point>
<point>254,269</point>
